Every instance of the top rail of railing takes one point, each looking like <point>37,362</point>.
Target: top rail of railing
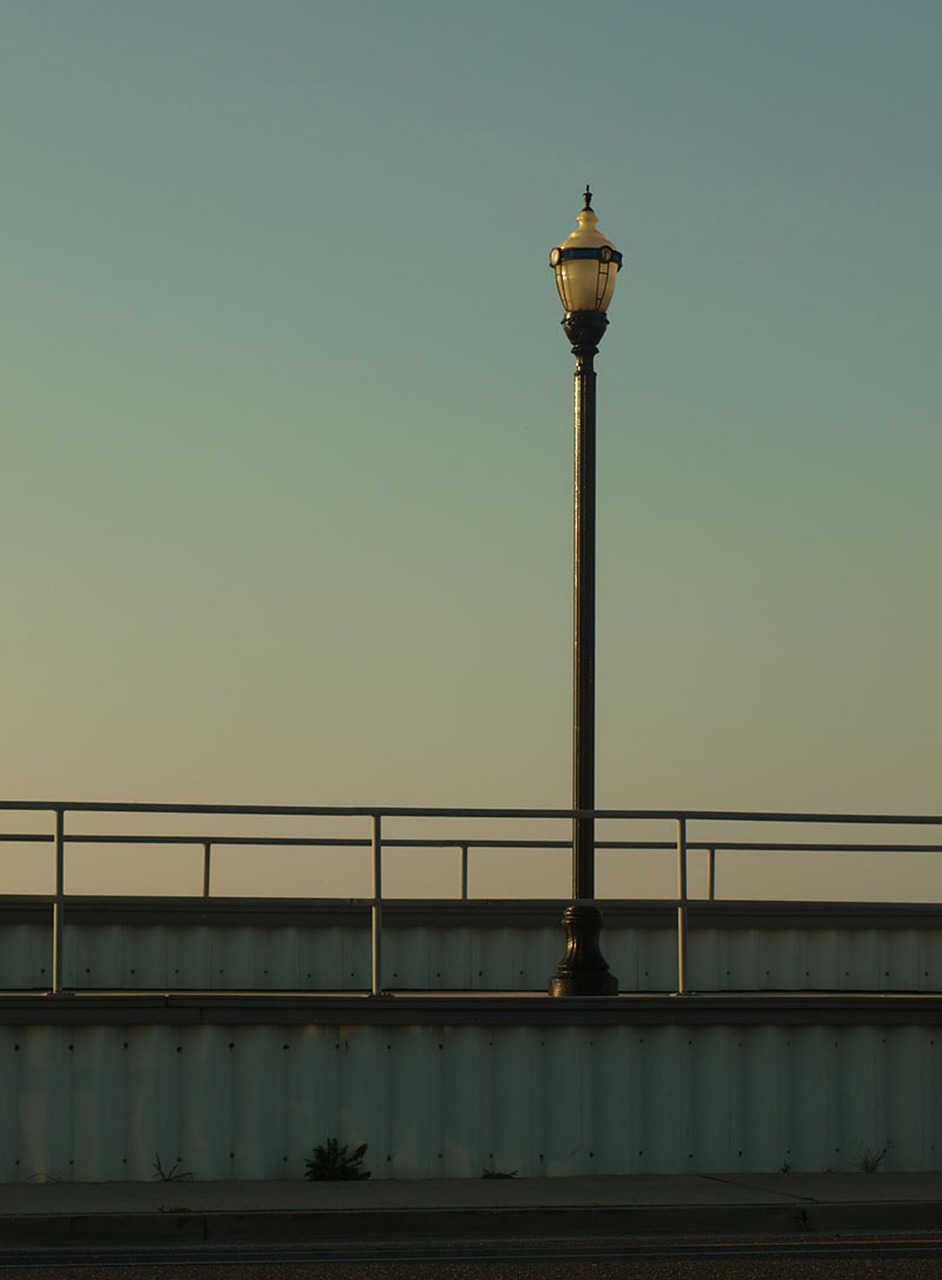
<point>467,842</point>
<point>405,811</point>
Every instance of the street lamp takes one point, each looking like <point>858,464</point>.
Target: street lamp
<point>586,265</point>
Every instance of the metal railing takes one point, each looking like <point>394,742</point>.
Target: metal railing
<point>681,844</point>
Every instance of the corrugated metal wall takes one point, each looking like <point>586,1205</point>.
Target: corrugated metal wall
<point>105,1102</point>
<point>289,957</point>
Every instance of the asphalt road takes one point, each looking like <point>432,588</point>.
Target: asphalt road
<point>889,1258</point>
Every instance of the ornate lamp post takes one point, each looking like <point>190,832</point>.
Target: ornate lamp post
<point>586,265</point>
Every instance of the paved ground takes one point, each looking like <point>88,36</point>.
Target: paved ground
<point>663,1258</point>
<point>729,1227</point>
<point>783,1226</point>
<point>854,1268</point>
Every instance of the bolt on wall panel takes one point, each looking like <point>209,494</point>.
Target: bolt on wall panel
<point>25,956</point>
<point>642,959</point>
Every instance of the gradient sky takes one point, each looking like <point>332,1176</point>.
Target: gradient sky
<point>286,482</point>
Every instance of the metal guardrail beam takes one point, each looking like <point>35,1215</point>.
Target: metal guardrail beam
<point>463,843</point>
<point>467,842</point>
<point>691,815</point>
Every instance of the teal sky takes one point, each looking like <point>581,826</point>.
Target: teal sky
<point>286,482</point>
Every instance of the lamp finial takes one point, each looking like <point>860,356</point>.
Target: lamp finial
<point>587,197</point>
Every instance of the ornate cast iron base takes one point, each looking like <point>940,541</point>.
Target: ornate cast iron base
<point>583,970</point>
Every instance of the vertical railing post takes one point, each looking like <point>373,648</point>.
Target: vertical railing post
<point>681,906</point>
<point>711,874</point>
<point>58,906</point>
<point>464,872</point>
<point>377,907</point>
<point>207,865</point>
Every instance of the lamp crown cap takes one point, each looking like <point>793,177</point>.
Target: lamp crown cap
<point>586,233</point>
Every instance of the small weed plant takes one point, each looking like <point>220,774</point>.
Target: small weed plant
<point>871,1160</point>
<point>334,1162</point>
<point>175,1173</point>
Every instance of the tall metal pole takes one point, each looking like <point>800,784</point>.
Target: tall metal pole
<point>583,639</point>
<point>583,970</point>
<point>584,330</point>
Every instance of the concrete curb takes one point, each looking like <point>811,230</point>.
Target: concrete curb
<point>221,1228</point>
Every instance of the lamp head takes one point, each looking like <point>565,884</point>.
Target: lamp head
<point>586,264</point>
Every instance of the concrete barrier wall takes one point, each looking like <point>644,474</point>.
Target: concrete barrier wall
<point>101,1100</point>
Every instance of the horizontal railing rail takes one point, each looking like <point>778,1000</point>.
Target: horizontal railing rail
<point>682,845</point>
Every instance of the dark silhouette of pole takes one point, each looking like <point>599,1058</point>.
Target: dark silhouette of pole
<point>583,970</point>
<point>584,331</point>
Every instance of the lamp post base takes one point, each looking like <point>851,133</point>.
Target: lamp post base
<point>583,970</point>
